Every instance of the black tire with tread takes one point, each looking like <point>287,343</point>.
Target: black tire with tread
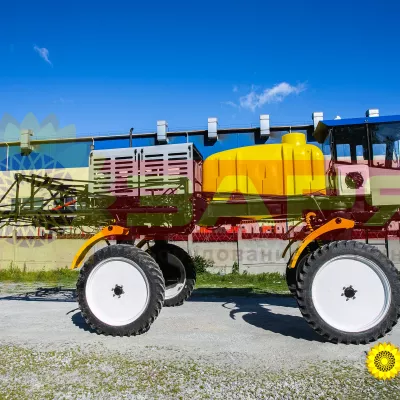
<point>156,285</point>
<point>304,285</point>
<point>159,252</point>
<point>292,276</point>
<point>292,273</point>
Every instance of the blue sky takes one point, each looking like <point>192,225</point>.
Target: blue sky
<point>107,66</point>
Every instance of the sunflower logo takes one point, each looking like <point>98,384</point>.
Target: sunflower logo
<point>383,361</point>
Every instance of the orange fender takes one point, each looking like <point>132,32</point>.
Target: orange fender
<point>333,224</point>
<point>112,230</point>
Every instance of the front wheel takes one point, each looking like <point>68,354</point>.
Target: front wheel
<point>120,290</point>
<point>349,292</point>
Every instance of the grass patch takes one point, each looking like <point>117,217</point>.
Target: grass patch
<point>62,276</point>
<point>258,283</point>
<point>254,284</point>
<point>235,283</point>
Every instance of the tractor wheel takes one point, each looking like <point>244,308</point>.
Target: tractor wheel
<point>120,290</point>
<point>349,292</point>
<point>291,280</point>
<point>292,276</point>
<point>178,270</point>
<point>293,273</point>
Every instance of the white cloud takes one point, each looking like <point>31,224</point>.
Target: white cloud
<point>43,53</point>
<point>63,100</point>
<point>256,99</point>
<point>230,103</point>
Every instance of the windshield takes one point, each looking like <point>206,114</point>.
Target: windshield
<point>385,144</point>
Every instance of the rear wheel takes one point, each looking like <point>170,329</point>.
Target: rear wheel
<point>292,273</point>
<point>120,290</point>
<point>178,270</point>
<point>349,292</point>
<point>292,276</point>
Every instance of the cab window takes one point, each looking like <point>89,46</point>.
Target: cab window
<point>385,139</point>
<point>350,144</point>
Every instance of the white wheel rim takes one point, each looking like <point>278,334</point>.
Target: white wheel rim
<point>342,309</point>
<point>177,287</point>
<point>102,291</point>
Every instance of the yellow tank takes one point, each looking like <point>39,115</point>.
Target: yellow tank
<point>292,167</point>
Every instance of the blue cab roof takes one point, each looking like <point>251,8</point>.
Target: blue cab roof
<point>322,129</point>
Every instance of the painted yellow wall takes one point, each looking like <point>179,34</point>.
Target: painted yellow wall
<point>39,254</point>
<point>7,179</point>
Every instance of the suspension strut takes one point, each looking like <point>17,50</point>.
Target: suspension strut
<point>308,217</point>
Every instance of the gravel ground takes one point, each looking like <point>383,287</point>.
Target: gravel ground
<point>211,347</point>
